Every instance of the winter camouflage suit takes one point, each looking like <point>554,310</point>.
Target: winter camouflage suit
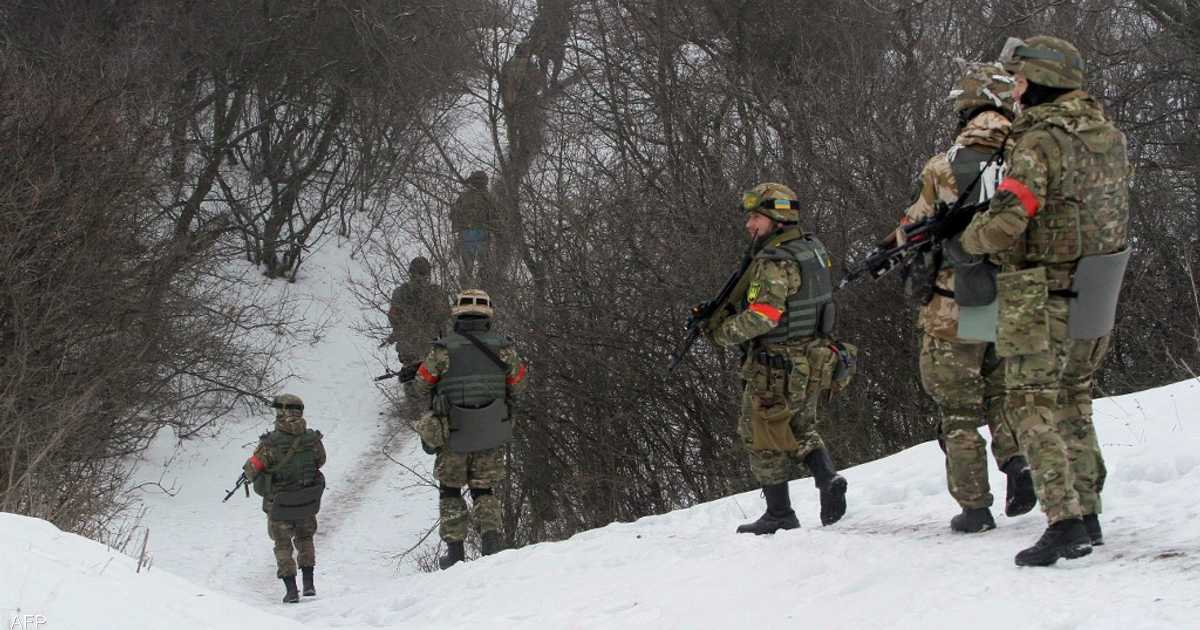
<point>1064,197</point>
<point>965,377</point>
<point>481,471</point>
<point>272,449</point>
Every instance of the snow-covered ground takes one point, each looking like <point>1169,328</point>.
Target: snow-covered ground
<point>892,562</point>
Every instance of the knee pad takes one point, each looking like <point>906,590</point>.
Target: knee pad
<point>449,492</point>
<point>479,492</point>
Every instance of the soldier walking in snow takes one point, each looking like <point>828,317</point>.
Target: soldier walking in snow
<point>964,374</point>
<point>285,471</point>
<point>472,374</point>
<point>417,312</point>
<point>1059,226</point>
<point>781,314</point>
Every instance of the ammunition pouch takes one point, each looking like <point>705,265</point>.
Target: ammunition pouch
<point>1024,325</point>
<point>974,276</point>
<point>262,484</point>
<point>828,319</point>
<point>1095,287</point>
<point>479,429</point>
<point>298,503</point>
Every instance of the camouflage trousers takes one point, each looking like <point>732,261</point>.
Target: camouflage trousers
<point>771,466</point>
<point>1049,401</point>
<point>966,379</point>
<point>284,533</point>
<point>482,472</point>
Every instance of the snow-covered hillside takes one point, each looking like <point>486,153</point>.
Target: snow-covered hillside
<point>892,562</point>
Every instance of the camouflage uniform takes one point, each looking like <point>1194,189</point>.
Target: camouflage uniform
<point>1065,197</point>
<point>788,363</point>
<point>271,453</point>
<point>473,219</point>
<point>965,377</point>
<point>417,312</point>
<point>480,471</point>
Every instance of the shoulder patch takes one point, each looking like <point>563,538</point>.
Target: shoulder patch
<point>753,291</point>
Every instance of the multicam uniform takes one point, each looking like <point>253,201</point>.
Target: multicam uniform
<point>470,384</point>
<point>417,312</point>
<point>965,377</point>
<point>1065,197</point>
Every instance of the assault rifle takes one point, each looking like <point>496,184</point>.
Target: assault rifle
<point>406,374</point>
<point>705,311</point>
<point>242,482</point>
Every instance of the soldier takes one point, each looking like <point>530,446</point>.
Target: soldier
<point>1059,225</point>
<point>285,471</point>
<point>473,218</point>
<point>783,321</point>
<point>418,309</point>
<point>472,373</point>
<point>965,376</point>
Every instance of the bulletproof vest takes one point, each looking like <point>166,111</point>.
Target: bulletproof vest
<point>804,310</point>
<point>968,164</point>
<point>301,468</point>
<point>1087,213</point>
<point>473,379</point>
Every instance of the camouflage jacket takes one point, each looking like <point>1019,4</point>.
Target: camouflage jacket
<point>770,282</point>
<point>473,209</point>
<point>437,363</point>
<point>985,132</point>
<point>1064,195</point>
<point>417,313</point>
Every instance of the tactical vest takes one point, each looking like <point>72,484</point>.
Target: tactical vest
<point>300,469</point>
<point>1087,213</point>
<point>805,309</point>
<point>473,379</point>
<point>972,181</point>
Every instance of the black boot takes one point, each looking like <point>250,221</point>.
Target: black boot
<point>973,520</point>
<point>1064,539</point>
<point>454,554</point>
<point>1091,522</point>
<point>489,543</point>
<point>1021,497</point>
<point>831,485</point>
<point>309,589</point>
<point>292,595</point>
<point>779,514</point>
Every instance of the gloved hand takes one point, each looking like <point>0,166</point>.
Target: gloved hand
<point>951,224</point>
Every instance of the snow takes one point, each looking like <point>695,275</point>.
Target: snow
<point>892,562</point>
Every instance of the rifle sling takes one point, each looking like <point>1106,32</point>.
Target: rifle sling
<point>486,350</point>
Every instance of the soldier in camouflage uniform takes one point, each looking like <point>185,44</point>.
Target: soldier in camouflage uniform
<point>417,311</point>
<point>473,221</point>
<point>472,374</point>
<point>1063,204</point>
<point>289,459</point>
<point>789,357</point>
<point>965,376</point>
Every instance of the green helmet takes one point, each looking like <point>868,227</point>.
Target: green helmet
<point>288,404</point>
<point>983,85</point>
<point>1044,60</point>
<point>419,266</point>
<point>774,201</point>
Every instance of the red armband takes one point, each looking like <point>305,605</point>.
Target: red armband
<point>426,375</point>
<point>1028,200</point>
<point>768,311</point>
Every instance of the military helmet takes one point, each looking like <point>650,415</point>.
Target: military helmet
<point>288,404</point>
<point>472,302</point>
<point>478,179</point>
<point>419,266</point>
<point>984,85</point>
<point>1044,60</point>
<point>774,201</point>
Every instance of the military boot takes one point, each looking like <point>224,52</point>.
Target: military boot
<point>1091,522</point>
<point>1020,497</point>
<point>309,589</point>
<point>454,554</point>
<point>779,514</point>
<point>832,485</point>
<point>292,595</point>
<point>973,520</point>
<point>489,543</point>
<point>1064,539</point>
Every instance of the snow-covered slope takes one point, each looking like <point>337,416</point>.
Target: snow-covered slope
<point>891,563</point>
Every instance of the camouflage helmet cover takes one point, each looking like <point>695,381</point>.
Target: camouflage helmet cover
<point>1044,60</point>
<point>983,85</point>
<point>774,201</point>
<point>419,266</point>
<point>472,302</point>
<point>288,404</point>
